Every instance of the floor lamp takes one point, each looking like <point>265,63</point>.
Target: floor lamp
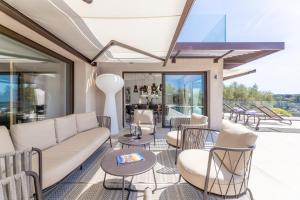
<point>110,84</point>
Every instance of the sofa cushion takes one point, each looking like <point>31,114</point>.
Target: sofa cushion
<point>235,136</point>
<point>172,138</point>
<point>6,144</point>
<point>192,165</point>
<point>198,119</point>
<point>63,158</point>
<point>86,121</point>
<point>143,117</point>
<point>39,134</point>
<point>65,127</point>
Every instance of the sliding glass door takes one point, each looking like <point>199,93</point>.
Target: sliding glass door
<point>184,94</point>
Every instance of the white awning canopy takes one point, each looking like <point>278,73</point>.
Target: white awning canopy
<point>149,26</point>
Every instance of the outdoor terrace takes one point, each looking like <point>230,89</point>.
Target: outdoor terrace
<point>273,175</point>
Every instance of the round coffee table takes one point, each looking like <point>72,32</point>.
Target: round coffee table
<point>130,140</point>
<point>110,166</point>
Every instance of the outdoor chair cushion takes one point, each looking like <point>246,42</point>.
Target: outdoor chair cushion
<point>39,134</point>
<point>65,127</point>
<point>192,165</point>
<point>143,117</point>
<point>226,123</point>
<point>172,138</point>
<point>235,136</point>
<point>147,128</point>
<point>86,121</point>
<point>63,158</point>
<point>198,119</point>
<point>6,145</point>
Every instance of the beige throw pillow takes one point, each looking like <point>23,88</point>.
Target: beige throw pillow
<point>65,127</point>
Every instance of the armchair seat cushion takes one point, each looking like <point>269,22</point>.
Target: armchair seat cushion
<point>172,138</point>
<point>147,128</point>
<point>198,119</point>
<point>192,165</point>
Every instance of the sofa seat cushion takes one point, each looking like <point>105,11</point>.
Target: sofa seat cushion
<point>65,127</point>
<point>6,145</point>
<point>86,121</point>
<point>60,160</point>
<point>192,165</point>
<point>172,138</point>
<point>39,134</point>
<point>235,136</point>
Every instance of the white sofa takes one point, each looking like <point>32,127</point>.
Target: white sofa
<point>65,142</point>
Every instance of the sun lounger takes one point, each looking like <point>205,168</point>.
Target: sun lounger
<point>271,115</point>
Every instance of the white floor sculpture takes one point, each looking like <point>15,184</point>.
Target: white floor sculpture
<point>110,84</point>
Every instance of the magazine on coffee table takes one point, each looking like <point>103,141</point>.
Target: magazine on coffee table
<point>129,158</point>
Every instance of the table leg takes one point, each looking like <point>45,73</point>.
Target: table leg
<point>123,187</point>
<point>154,180</point>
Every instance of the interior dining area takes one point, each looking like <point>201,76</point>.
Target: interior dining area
<point>168,94</point>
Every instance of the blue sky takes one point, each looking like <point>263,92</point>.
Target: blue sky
<point>256,21</point>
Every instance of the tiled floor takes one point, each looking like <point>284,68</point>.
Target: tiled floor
<point>274,172</point>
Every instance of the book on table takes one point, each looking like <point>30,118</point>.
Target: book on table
<point>129,158</point>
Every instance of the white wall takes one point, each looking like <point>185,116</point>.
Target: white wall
<point>215,86</point>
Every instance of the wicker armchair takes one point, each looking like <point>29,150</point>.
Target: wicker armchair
<point>145,122</point>
<point>225,169</point>
<point>177,125</point>
<point>15,162</point>
<point>16,186</point>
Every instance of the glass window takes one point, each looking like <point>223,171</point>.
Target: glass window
<point>184,94</point>
<point>33,85</point>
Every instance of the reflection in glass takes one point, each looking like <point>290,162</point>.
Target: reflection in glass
<point>184,95</point>
<point>33,85</point>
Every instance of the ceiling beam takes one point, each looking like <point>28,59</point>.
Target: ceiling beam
<point>120,44</point>
<point>23,19</point>
<point>175,56</point>
<point>216,60</point>
<point>239,74</point>
<point>185,12</point>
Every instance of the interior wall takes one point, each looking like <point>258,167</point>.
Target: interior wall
<point>84,88</point>
<point>214,83</point>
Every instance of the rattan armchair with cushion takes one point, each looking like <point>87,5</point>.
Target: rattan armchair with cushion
<point>177,125</point>
<point>225,169</point>
<point>145,121</point>
<point>16,187</point>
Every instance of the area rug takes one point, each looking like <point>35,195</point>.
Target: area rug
<point>86,183</point>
